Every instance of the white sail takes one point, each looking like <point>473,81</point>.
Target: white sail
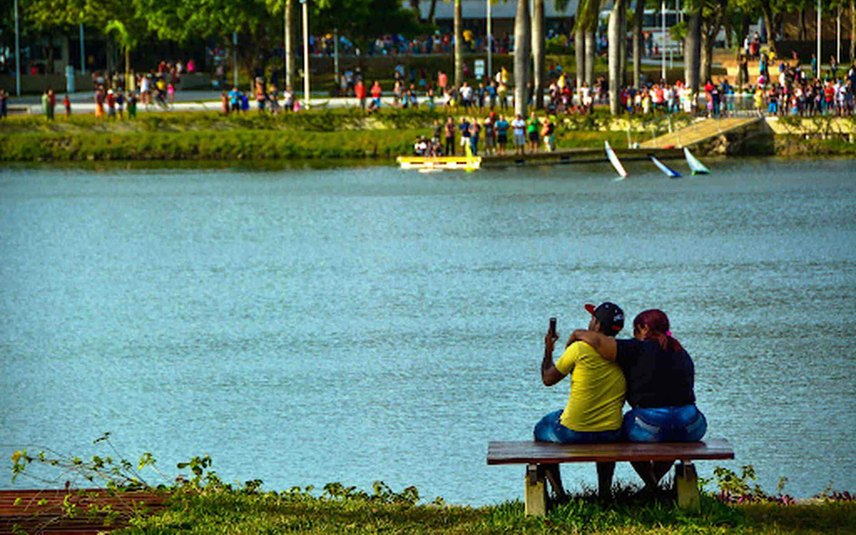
<point>696,166</point>
<point>613,159</point>
<point>669,172</point>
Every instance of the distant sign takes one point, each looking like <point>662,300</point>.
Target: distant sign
<point>479,68</point>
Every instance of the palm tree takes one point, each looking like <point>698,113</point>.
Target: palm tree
<point>638,14</point>
<point>712,17</point>
<point>852,31</point>
<point>692,44</point>
<point>538,45</point>
<point>521,56</point>
<point>127,42</point>
<point>288,8</point>
<point>459,49</point>
<point>616,43</point>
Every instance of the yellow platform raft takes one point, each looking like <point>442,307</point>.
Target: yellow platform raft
<point>440,163</point>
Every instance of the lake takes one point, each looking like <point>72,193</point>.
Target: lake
<point>307,326</point>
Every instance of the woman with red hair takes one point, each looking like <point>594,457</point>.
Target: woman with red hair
<point>660,376</point>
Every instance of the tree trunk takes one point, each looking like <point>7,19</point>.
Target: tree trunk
<point>522,25</point>
<point>591,54</point>
<point>767,11</point>
<point>538,43</point>
<point>616,42</point>
<point>580,54</point>
<point>414,5</point>
<point>852,31</point>
<point>622,50</point>
<point>459,45</point>
<point>129,80</point>
<point>801,25</point>
<point>637,42</point>
<point>706,52</point>
<point>288,15</point>
<point>432,11</point>
<point>692,50</point>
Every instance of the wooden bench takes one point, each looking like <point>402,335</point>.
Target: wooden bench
<point>537,454</point>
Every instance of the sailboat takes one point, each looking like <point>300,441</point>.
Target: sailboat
<point>613,159</point>
<point>696,166</point>
<point>669,172</point>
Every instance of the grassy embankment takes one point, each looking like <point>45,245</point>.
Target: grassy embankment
<point>276,513</point>
<point>315,134</point>
<point>201,502</point>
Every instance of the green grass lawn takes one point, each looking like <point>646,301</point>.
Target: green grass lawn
<point>296,511</point>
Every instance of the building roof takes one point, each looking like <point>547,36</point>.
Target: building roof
<point>477,9</point>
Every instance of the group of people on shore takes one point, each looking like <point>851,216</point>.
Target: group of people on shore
<point>651,371</point>
<point>491,133</point>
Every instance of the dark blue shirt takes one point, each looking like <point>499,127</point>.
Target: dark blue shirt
<point>655,377</point>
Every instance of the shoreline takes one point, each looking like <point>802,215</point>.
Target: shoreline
<point>348,136</point>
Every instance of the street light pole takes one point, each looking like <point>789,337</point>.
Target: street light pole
<point>819,57</point>
<point>489,42</point>
<point>82,52</point>
<point>663,39</point>
<point>17,55</point>
<point>235,60</point>
<point>305,5</point>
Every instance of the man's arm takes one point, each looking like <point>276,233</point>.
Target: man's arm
<point>604,345</point>
<point>550,375</point>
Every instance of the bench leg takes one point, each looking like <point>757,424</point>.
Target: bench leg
<point>536,491</point>
<point>686,486</point>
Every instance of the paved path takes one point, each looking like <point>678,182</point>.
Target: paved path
<point>699,131</point>
<point>84,102</point>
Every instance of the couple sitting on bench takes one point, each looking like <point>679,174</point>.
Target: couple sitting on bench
<point>651,370</point>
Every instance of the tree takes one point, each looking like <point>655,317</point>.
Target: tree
<point>126,41</point>
<point>853,31</point>
<point>521,56</point>
<point>538,45</point>
<point>459,50</point>
<point>692,46</point>
<point>584,39</point>
<point>638,15</point>
<point>617,41</point>
<point>713,14</point>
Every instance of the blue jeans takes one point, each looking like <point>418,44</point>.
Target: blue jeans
<point>550,429</point>
<point>664,424</point>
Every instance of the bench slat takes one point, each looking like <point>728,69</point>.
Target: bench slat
<point>526,452</point>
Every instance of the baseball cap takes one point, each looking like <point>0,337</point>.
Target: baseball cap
<point>610,316</point>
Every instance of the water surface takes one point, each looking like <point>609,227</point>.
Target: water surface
<point>307,326</point>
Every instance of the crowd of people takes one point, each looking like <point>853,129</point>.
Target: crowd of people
<point>472,134</point>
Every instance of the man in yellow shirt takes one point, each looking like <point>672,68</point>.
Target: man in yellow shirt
<point>593,412</point>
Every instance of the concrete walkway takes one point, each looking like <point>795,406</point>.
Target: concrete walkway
<point>84,102</point>
<point>701,130</point>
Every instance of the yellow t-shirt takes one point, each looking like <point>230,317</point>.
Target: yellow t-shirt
<point>597,390</point>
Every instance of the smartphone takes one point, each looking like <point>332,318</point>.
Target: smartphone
<point>553,326</point>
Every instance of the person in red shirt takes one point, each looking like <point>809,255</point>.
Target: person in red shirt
<point>360,92</point>
<point>829,97</point>
<point>67,103</point>
<point>376,92</point>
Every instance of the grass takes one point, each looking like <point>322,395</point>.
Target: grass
<point>199,136</point>
<point>238,512</point>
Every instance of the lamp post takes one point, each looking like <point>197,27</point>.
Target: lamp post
<point>17,55</point>
<point>489,42</point>
<point>235,58</point>
<point>82,52</point>
<point>305,6</point>
<point>663,39</point>
<point>819,57</point>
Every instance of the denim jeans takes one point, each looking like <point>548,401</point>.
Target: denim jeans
<point>664,424</point>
